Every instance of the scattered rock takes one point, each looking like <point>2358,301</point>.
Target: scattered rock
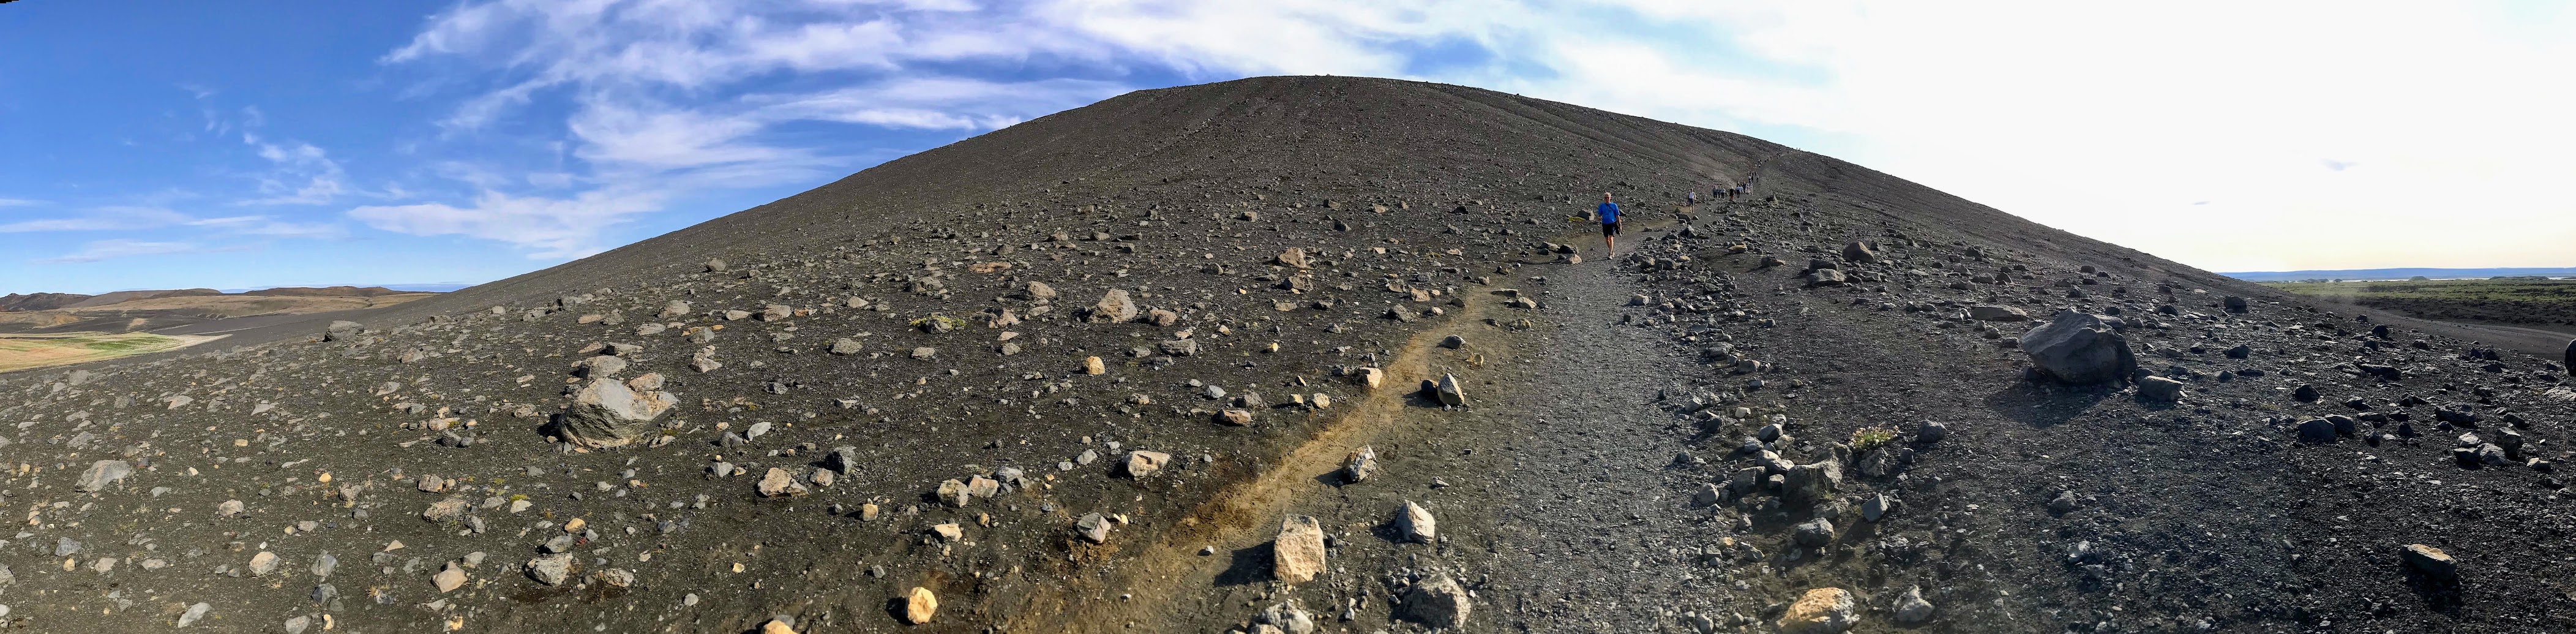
<point>1360,465</point>
<point>551,570</point>
<point>1438,602</point>
<point>778,482</point>
<point>2159,388</point>
<point>1145,463</point>
<point>1814,533</point>
<point>103,474</point>
<point>920,605</point>
<point>1415,524</point>
<point>607,413</point>
<point>1297,556</point>
<point>1114,307</point>
<point>1092,527</point>
<point>2432,562</point>
<point>1911,609</point>
<point>2079,348</point>
<point>1450,392</point>
<point>1820,611</point>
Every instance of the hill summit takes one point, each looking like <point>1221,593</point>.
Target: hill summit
<point>1302,354</point>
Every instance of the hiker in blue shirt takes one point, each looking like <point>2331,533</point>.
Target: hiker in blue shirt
<point>1609,225</point>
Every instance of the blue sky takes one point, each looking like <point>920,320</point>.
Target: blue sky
<point>190,144</point>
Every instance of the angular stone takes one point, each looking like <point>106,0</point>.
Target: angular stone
<point>1145,463</point>
<point>1449,391</point>
<point>1814,533</point>
<point>607,413</point>
<point>1293,257</point>
<point>1911,609</point>
<point>1820,611</point>
<point>551,570</point>
<point>1297,556</point>
<point>1414,523</point>
<point>2432,562</point>
<point>1858,252</point>
<point>1438,602</point>
<point>920,605</point>
<point>103,474</point>
<point>1360,465</point>
<point>778,482</point>
<point>449,579</point>
<point>263,563</point>
<point>1114,307</point>
<point>2316,431</point>
<point>2080,349</point>
<point>1092,527</point>
<point>2160,388</point>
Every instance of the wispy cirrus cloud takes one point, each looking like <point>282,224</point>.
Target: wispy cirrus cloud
<point>114,218</point>
<point>300,174</point>
<point>102,250</point>
<point>551,227</point>
<point>664,99</point>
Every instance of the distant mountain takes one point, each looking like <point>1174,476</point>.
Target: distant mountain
<point>127,296</point>
<point>2394,274</point>
<point>38,301</point>
<point>330,291</point>
<point>16,302</point>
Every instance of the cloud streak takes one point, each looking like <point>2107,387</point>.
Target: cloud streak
<point>102,250</point>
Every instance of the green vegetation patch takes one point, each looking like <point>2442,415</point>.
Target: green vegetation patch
<point>2511,300</point>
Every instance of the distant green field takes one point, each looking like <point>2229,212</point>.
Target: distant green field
<point>2545,303</point>
<point>21,352</point>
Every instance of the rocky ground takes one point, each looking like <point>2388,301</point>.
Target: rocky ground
<point>1313,355</point>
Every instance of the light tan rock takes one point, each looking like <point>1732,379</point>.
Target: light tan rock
<point>606,413</point>
<point>778,482</point>
<point>450,579</point>
<point>1820,611</point>
<point>1093,366</point>
<point>1298,555</point>
<point>1145,463</point>
<point>1415,523</point>
<point>920,605</point>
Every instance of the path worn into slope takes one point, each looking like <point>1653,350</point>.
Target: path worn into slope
<point>1595,494</point>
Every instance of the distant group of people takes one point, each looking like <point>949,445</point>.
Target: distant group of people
<point>1608,212</point>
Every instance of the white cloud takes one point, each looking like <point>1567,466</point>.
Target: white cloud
<point>301,174</point>
<point>118,248</point>
<point>551,227</point>
<point>101,219</point>
<point>664,99</point>
<point>19,202</point>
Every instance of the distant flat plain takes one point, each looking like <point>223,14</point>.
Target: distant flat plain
<point>2539,304</point>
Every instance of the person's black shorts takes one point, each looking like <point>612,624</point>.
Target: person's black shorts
<point>1609,229</point>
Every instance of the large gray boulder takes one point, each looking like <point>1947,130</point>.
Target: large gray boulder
<point>607,413</point>
<point>2571,356</point>
<point>341,330</point>
<point>2079,348</point>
